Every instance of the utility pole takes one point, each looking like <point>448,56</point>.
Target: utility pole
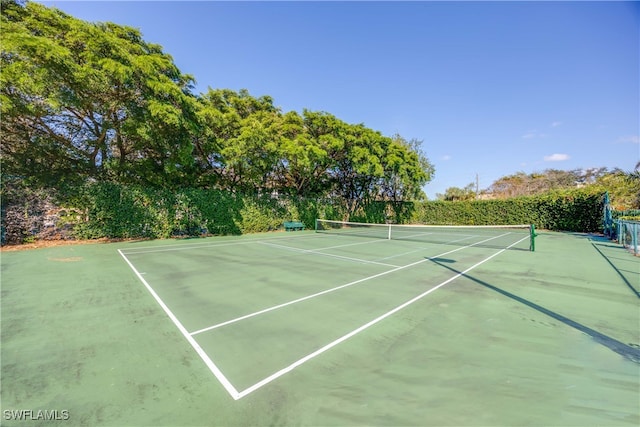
<point>477,186</point>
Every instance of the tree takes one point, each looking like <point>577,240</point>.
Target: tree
<point>453,194</point>
<point>238,145</point>
<point>304,159</point>
<point>82,100</point>
<point>623,188</point>
<point>521,184</point>
<point>407,170</point>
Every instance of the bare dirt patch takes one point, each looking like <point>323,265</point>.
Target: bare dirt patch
<point>50,243</point>
<point>67,259</point>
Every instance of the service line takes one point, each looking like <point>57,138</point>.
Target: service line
<point>317,252</point>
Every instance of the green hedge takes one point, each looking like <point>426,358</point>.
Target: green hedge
<point>575,210</point>
<point>110,210</point>
<point>116,211</point>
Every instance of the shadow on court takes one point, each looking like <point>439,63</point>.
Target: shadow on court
<point>621,348</point>
<point>617,270</point>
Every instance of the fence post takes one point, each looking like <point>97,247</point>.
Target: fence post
<point>620,232</point>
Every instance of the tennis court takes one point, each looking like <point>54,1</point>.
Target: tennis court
<point>352,325</point>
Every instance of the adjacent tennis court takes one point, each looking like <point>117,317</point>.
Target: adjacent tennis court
<point>350,325</point>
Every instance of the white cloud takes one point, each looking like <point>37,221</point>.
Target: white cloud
<point>530,134</point>
<point>446,157</point>
<point>556,157</point>
<point>556,124</point>
<point>634,139</point>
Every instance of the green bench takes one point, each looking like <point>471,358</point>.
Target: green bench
<point>293,225</point>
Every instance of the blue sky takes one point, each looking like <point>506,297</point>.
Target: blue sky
<point>491,88</point>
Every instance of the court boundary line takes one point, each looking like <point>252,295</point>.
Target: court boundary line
<point>367,325</point>
<point>326,291</point>
<point>419,249</point>
<point>203,355</point>
<point>187,246</point>
<point>316,252</point>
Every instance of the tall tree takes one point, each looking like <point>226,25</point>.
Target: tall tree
<point>90,100</point>
<point>453,194</point>
<point>304,156</point>
<point>237,146</point>
<point>623,187</point>
<point>407,170</point>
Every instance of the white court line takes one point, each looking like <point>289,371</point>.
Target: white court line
<point>315,252</point>
<point>420,249</point>
<point>183,247</point>
<point>355,282</point>
<point>332,344</point>
<point>212,366</point>
<point>187,246</point>
<point>368,242</point>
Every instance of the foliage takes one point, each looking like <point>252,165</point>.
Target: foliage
<point>109,121</point>
<point>130,211</point>
<point>568,210</point>
<point>118,211</point>
<point>86,100</point>
<point>453,194</point>
<point>623,187</point>
<point>522,184</point>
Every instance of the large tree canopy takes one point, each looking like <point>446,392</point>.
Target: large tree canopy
<point>95,101</point>
<point>90,100</point>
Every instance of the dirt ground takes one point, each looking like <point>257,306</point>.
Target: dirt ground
<point>51,243</point>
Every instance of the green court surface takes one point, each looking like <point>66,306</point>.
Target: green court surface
<point>303,328</point>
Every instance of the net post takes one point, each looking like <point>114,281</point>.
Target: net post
<point>532,238</point>
<point>315,228</point>
<point>389,232</point>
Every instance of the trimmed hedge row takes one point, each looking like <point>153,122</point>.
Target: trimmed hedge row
<point>576,210</point>
<point>110,210</point>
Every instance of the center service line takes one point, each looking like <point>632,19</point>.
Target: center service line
<point>363,327</point>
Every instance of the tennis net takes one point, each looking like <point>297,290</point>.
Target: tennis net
<point>495,236</point>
